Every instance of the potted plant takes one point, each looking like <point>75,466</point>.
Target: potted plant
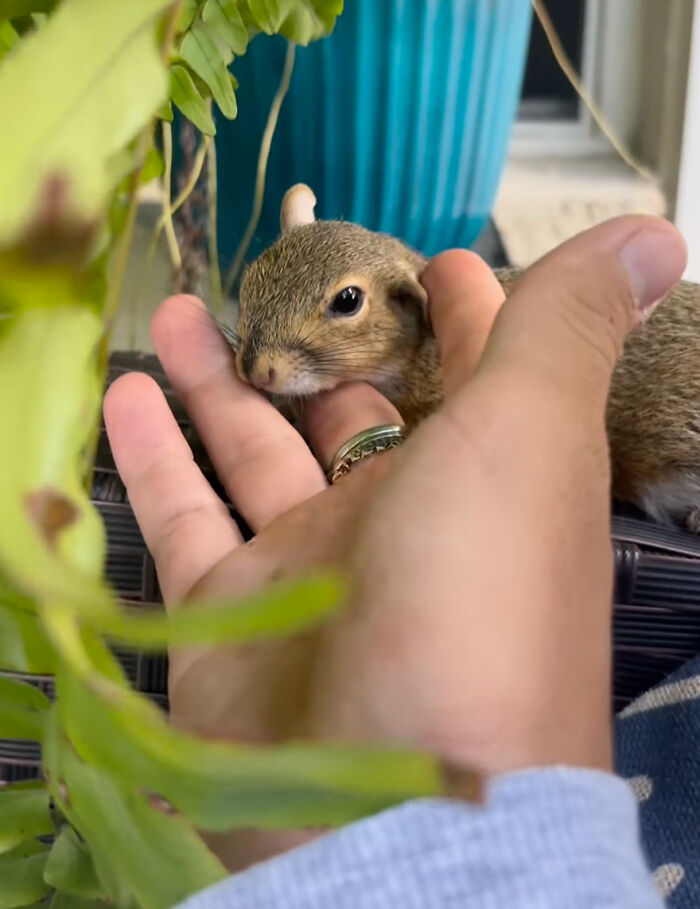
<point>400,120</point>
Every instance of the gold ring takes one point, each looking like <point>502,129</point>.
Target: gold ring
<point>365,443</point>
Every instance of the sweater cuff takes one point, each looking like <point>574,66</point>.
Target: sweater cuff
<point>544,839</point>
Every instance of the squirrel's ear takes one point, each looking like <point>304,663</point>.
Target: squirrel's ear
<point>297,207</point>
<point>408,291</point>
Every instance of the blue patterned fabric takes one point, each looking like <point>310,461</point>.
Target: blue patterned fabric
<point>658,752</point>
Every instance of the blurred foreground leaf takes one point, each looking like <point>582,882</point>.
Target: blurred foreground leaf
<point>271,613</point>
<point>21,710</point>
<point>22,875</point>
<point>24,814</point>
<point>166,113</point>
<point>69,867</point>
<point>221,786</point>
<point>153,166</point>
<point>63,386</point>
<point>156,856</point>
<point>12,9</point>
<point>129,784</point>
<point>71,901</point>
<point>21,694</point>
<point>23,643</point>
<point>70,120</point>
<point>8,37</point>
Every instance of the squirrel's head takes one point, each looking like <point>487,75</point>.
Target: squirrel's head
<point>328,302</point>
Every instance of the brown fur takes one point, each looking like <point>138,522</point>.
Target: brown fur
<point>653,413</point>
<point>283,316</point>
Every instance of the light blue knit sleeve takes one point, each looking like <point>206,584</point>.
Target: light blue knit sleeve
<point>545,839</point>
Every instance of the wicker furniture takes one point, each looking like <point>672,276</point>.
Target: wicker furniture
<point>657,586</point>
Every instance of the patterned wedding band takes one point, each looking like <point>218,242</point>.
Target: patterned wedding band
<point>361,446</point>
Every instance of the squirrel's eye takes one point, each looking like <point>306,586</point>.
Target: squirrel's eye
<point>347,302</point>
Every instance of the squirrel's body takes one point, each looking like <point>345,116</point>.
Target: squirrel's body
<point>300,335</point>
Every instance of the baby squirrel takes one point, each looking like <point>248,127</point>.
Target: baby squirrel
<point>330,302</point>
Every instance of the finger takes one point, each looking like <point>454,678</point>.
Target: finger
<point>332,418</point>
<point>187,528</point>
<point>264,464</point>
<point>564,325</point>
<point>464,299</point>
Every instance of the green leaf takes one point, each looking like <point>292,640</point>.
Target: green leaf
<point>300,21</point>
<point>42,465</point>
<point>53,758</point>
<point>23,644</point>
<point>8,38</point>
<point>24,814</point>
<point>187,99</point>
<point>84,114</point>
<point>70,901</point>
<point>23,695</point>
<point>51,536</point>
<point>19,723</point>
<point>12,650</point>
<point>220,786</point>
<point>21,710</point>
<point>273,613</point>
<point>69,867</point>
<point>154,165</point>
<point>166,112</point>
<point>209,58</point>
<point>304,21</point>
<point>187,14</point>
<point>10,9</point>
<point>158,856</point>
<point>22,875</point>
<point>266,13</point>
<point>224,17</point>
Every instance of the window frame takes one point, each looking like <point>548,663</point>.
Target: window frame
<point>608,52</point>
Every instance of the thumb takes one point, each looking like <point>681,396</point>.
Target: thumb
<point>565,323</point>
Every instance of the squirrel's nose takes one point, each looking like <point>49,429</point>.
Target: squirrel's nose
<point>260,371</point>
<point>265,378</point>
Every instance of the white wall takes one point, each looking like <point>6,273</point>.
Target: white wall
<point>688,195</point>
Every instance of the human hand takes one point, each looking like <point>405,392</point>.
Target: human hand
<point>478,554</point>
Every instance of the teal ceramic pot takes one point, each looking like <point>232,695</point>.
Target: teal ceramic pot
<point>399,120</point>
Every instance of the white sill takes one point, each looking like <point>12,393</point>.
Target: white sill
<point>545,198</point>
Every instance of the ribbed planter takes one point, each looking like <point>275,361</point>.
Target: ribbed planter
<point>399,120</point>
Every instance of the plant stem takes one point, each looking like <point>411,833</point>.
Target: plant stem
<point>263,157</point>
<point>184,194</point>
<point>173,248</point>
<point>194,175</point>
<point>212,189</point>
<point>569,71</point>
<point>170,27</point>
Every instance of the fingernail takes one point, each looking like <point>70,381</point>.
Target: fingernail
<point>655,261</point>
